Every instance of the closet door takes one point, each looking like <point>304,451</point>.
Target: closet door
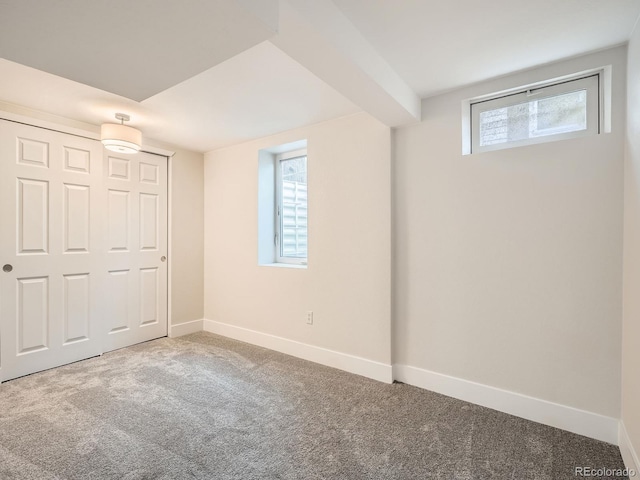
<point>83,246</point>
<point>136,248</point>
<point>51,249</point>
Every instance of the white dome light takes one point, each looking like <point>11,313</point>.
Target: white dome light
<point>119,137</point>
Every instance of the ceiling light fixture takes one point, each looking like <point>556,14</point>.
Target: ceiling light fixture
<point>118,137</point>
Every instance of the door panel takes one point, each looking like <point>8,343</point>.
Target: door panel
<point>33,216</point>
<point>33,314</point>
<point>148,296</point>
<point>119,317</point>
<point>149,222</point>
<point>118,168</point>
<point>77,311</point>
<point>76,207</point>
<point>118,206</point>
<point>149,173</point>
<point>33,152</point>
<point>76,160</point>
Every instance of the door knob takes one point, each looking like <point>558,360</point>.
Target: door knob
<point>7,268</point>
<point>163,258</point>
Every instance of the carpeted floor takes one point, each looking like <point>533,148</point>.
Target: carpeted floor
<point>206,407</point>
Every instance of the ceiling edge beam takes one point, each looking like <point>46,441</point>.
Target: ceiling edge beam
<point>317,35</point>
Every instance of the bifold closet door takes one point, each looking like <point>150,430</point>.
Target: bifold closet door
<point>51,249</point>
<point>136,215</point>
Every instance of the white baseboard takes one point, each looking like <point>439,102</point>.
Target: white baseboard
<point>629,454</point>
<point>186,328</point>
<point>567,418</point>
<point>582,422</point>
<point>343,361</point>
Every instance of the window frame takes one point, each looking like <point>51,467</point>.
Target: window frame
<point>278,159</point>
<point>591,82</point>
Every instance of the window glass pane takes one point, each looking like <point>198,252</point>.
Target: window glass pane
<point>293,218</point>
<point>535,118</point>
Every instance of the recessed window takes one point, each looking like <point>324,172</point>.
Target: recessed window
<point>566,109</point>
<point>291,207</point>
<point>283,212</point>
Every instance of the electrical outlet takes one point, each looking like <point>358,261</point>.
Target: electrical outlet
<point>309,318</point>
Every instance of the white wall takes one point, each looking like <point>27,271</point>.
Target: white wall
<point>631,292</point>
<point>347,282</point>
<point>187,236</point>
<point>508,264</point>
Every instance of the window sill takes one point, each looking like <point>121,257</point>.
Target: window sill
<point>283,265</point>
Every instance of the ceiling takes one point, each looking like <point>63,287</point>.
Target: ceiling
<point>257,93</point>
<point>440,45</point>
<point>203,74</point>
<point>128,47</point>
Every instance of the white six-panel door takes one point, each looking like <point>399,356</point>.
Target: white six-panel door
<point>82,235</point>
<point>136,243</point>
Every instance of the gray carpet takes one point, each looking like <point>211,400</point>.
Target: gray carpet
<point>206,407</point>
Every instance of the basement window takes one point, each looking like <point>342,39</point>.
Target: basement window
<point>282,205</point>
<point>291,207</point>
<point>557,110</point>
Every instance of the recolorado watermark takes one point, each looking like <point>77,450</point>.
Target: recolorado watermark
<point>604,472</point>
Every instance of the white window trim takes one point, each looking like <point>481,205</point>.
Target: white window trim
<point>602,108</point>
<point>278,207</point>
